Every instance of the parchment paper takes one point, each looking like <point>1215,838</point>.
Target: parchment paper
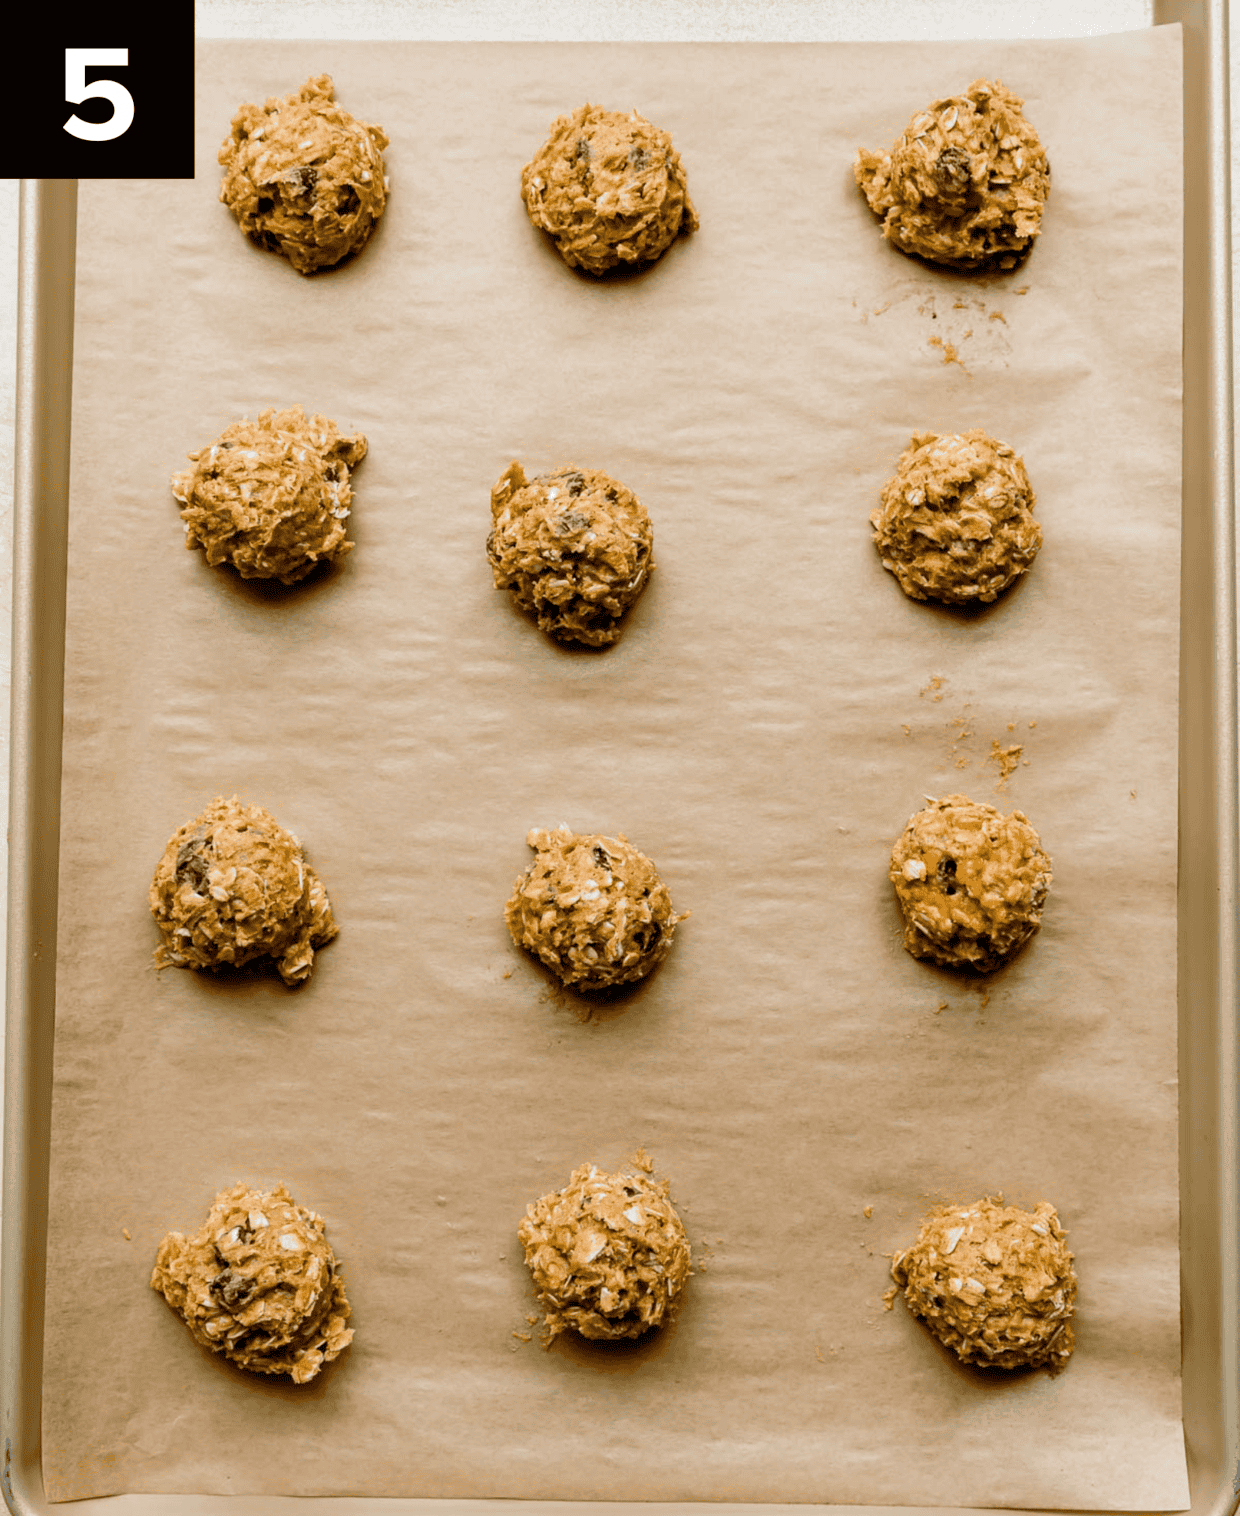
<point>773,714</point>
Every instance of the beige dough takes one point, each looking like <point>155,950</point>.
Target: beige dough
<point>965,184</point>
<point>259,1283</point>
<point>592,908</point>
<point>303,177</point>
<point>574,547</point>
<point>956,521</point>
<point>609,188</point>
<point>271,497</point>
<point>233,886</point>
<point>971,883</point>
<point>993,1283</point>
<point>607,1253</point>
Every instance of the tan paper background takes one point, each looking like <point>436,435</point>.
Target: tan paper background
<point>763,730</point>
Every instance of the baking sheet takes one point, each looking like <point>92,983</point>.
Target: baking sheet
<point>789,1065</point>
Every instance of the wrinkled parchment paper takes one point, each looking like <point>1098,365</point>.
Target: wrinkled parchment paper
<point>773,714</point>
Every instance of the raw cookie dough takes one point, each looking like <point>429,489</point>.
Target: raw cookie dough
<point>993,1283</point>
<point>956,521</point>
<point>609,188</point>
<point>607,1253</point>
<point>971,883</point>
<point>232,886</point>
<point>259,1283</point>
<point>965,184</point>
<point>574,547</point>
<point>592,908</point>
<point>303,177</point>
<point>271,496</point>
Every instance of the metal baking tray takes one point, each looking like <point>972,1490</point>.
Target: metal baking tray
<point>1209,1028</point>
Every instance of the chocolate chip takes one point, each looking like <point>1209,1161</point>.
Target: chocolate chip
<point>953,169</point>
<point>191,866</point>
<point>234,1291</point>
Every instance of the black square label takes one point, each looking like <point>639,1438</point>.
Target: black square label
<point>109,93</point>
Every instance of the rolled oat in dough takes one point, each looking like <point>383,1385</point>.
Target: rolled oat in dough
<point>956,521</point>
<point>993,1283</point>
<point>233,886</point>
<point>303,177</point>
<point>607,1253</point>
<point>259,1283</point>
<point>271,497</point>
<point>574,547</point>
<point>965,183</point>
<point>609,188</point>
<point>592,908</point>
<point>971,883</point>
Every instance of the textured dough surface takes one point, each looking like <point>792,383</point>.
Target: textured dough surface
<point>971,883</point>
<point>993,1283</point>
<point>956,521</point>
<point>607,1253</point>
<point>609,188</point>
<point>965,183</point>
<point>574,547</point>
<point>271,497</point>
<point>592,908</point>
<point>233,886</point>
<point>303,177</point>
<point>259,1283</point>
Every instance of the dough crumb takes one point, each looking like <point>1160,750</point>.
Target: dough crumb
<point>956,519</point>
<point>971,883</point>
<point>574,547</point>
<point>608,188</point>
<point>271,497</point>
<point>259,1283</point>
<point>233,886</point>
<point>592,908</point>
<point>965,184</point>
<point>868,1212</point>
<point>1006,760</point>
<point>607,1253</point>
<point>993,1283</point>
<point>303,177</point>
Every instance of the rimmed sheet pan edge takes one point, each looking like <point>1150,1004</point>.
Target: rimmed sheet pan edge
<point>1209,1030</point>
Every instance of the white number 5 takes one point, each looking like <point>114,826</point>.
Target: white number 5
<point>77,90</point>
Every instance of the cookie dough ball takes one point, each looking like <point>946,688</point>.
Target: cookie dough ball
<point>956,521</point>
<point>609,188</point>
<point>233,886</point>
<point>259,1283</point>
<point>592,908</point>
<point>271,496</point>
<point>971,883</point>
<point>607,1253</point>
<point>993,1283</point>
<point>303,177</point>
<point>965,184</point>
<point>574,547</point>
